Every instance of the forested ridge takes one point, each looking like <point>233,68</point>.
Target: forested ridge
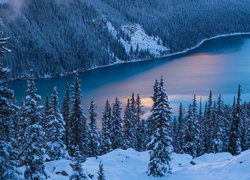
<point>58,37</point>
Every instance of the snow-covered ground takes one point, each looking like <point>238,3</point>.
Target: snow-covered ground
<point>132,165</point>
<point>139,38</point>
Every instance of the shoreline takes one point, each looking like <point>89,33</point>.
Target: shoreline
<point>139,60</point>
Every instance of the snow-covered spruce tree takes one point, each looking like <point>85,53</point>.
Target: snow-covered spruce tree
<point>129,127</point>
<point>78,173</point>
<point>244,127</point>
<point>174,132</point>
<point>134,116</point>
<point>140,142</point>
<point>196,126</point>
<point>188,146</point>
<point>46,114</point>
<point>235,134</point>
<point>106,129</point>
<point>7,131</point>
<point>160,155</point>
<point>151,120</point>
<point>207,124</point>
<point>101,175</point>
<point>180,131</point>
<point>116,133</point>
<point>142,134</point>
<point>218,128</point>
<point>192,140</point>
<point>94,135</point>
<point>66,114</point>
<point>33,151</point>
<point>56,148</point>
<point>77,129</point>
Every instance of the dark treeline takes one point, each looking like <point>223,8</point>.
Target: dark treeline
<point>56,37</point>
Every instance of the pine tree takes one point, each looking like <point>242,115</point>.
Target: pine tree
<point>174,133</point>
<point>7,125</point>
<point>94,135</point>
<point>244,128</point>
<point>142,136</point>
<point>116,126</point>
<point>180,131</point>
<point>207,129</point>
<point>46,115</point>
<point>78,173</point>
<point>129,127</point>
<point>56,148</point>
<point>106,129</point>
<point>78,124</point>
<point>66,114</point>
<point>34,153</point>
<point>235,139</point>
<point>151,121</point>
<point>101,175</point>
<point>160,156</point>
<point>218,126</point>
<point>33,150</point>
<point>189,146</point>
<point>140,140</point>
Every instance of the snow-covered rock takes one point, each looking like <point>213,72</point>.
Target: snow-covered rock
<point>130,164</point>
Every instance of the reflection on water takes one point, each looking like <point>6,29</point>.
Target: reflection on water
<point>218,65</point>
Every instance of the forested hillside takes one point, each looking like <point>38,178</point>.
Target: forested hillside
<point>56,37</point>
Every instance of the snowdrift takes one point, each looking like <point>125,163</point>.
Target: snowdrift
<point>132,165</point>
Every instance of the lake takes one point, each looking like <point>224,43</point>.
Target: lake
<point>218,65</point>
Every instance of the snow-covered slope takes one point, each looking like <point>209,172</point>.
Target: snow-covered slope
<point>132,165</point>
<point>139,39</point>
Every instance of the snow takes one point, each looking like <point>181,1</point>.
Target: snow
<point>138,38</point>
<point>144,41</point>
<point>130,164</point>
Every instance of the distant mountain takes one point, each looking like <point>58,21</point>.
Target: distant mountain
<point>56,37</point>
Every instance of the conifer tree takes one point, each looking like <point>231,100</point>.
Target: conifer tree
<point>189,146</point>
<point>78,124</point>
<point>101,175</point>
<point>207,129</point>
<point>7,120</point>
<point>56,148</point>
<point>139,131</point>
<point>142,136</point>
<point>116,126</point>
<point>78,173</point>
<point>218,126</point>
<point>66,114</point>
<point>180,131</point>
<point>106,129</point>
<point>33,150</point>
<point>161,142</point>
<point>151,121</point>
<point>244,128</point>
<point>94,135</point>
<point>235,134</point>
<point>129,127</point>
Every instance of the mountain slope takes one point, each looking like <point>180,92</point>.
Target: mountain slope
<point>59,37</point>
